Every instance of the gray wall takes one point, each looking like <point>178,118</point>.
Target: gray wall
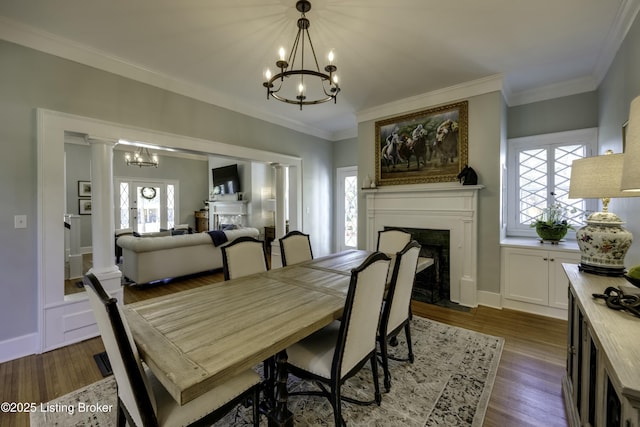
<point>619,87</point>
<point>345,153</point>
<point>485,136</point>
<point>78,168</point>
<point>30,79</point>
<point>554,115</point>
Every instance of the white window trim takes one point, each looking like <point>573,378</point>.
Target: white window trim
<point>588,136</point>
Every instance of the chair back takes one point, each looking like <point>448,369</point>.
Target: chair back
<point>244,256</point>
<point>359,326</point>
<point>295,247</point>
<point>133,390</point>
<point>397,304</point>
<point>392,240</point>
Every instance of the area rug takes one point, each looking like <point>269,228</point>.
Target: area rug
<point>449,384</point>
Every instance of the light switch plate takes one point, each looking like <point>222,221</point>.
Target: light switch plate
<point>20,221</point>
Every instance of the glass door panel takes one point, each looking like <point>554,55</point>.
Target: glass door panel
<point>347,208</point>
<point>149,210</point>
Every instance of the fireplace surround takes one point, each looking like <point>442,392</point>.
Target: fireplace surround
<point>443,206</point>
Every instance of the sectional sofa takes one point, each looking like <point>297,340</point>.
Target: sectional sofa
<point>150,258</point>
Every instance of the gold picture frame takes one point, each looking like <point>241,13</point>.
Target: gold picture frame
<point>426,146</point>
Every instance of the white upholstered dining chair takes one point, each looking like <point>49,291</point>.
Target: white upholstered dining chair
<point>392,240</point>
<point>396,311</point>
<point>142,400</point>
<point>244,256</point>
<point>338,351</point>
<point>295,247</point>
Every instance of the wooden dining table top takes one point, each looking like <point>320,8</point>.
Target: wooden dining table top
<point>196,339</point>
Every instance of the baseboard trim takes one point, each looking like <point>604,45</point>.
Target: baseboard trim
<point>489,299</point>
<point>15,348</point>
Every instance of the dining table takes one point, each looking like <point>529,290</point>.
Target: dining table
<point>196,339</point>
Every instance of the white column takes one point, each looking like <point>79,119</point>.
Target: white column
<point>102,216</point>
<point>281,195</point>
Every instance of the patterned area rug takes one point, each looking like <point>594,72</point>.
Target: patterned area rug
<point>449,384</point>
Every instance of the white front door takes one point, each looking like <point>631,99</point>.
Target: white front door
<point>146,206</point>
<point>347,208</point>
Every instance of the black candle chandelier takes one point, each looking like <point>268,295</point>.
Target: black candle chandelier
<point>325,84</point>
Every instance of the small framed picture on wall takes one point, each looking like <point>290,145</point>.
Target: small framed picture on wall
<point>84,188</point>
<point>84,206</point>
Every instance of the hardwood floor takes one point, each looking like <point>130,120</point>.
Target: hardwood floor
<point>527,390</point>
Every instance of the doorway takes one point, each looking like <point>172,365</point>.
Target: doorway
<point>63,319</point>
<point>146,206</point>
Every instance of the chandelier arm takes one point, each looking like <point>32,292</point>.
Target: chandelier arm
<point>300,102</point>
<point>294,50</point>
<point>335,89</point>
<point>313,51</point>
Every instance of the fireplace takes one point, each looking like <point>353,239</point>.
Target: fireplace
<point>449,207</point>
<point>433,284</point>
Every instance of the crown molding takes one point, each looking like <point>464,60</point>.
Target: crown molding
<point>440,96</point>
<point>43,41</point>
<point>625,17</point>
<point>555,90</point>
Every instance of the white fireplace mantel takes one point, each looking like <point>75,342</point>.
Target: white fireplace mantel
<point>442,206</point>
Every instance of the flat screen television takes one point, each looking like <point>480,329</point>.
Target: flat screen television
<point>226,180</point>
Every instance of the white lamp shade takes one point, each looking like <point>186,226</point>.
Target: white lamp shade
<point>597,177</point>
<point>631,166</point>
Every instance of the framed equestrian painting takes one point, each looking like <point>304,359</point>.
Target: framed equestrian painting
<point>425,146</point>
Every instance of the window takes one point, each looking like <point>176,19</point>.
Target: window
<point>539,170</point>
<point>347,208</point>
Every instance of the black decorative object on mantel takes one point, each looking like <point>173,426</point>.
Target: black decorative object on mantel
<point>468,176</point>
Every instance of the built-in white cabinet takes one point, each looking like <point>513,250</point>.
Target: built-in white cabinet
<point>602,382</point>
<point>532,278</point>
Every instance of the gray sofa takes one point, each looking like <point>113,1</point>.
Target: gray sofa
<point>147,259</point>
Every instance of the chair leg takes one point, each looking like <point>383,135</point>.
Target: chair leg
<point>376,383</point>
<point>337,404</point>
<point>385,364</point>
<point>256,412</point>
<point>407,332</point>
<point>121,417</point>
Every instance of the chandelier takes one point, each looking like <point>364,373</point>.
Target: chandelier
<point>313,86</point>
<point>141,158</point>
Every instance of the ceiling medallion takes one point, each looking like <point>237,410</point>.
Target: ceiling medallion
<point>313,86</point>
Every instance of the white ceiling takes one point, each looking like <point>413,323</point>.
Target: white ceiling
<point>217,50</point>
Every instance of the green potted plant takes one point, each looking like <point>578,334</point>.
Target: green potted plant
<point>551,225</point>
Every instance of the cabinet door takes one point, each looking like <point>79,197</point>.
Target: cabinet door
<point>558,283</point>
<point>526,275</point>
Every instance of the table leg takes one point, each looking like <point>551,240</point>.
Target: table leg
<point>280,415</point>
<point>268,386</point>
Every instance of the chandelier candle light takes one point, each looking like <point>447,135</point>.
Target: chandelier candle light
<point>328,88</point>
<point>603,242</point>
